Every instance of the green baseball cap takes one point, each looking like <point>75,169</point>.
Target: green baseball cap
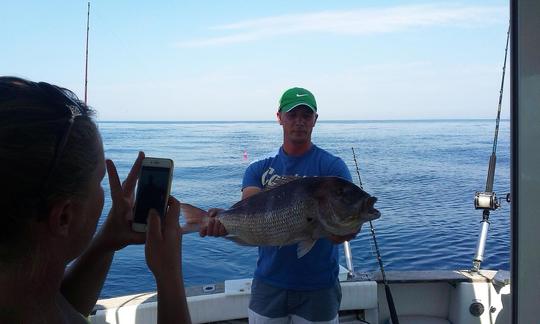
<point>295,97</point>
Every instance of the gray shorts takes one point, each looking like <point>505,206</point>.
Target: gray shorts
<point>271,304</point>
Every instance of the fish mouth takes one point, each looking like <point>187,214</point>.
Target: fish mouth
<point>373,214</point>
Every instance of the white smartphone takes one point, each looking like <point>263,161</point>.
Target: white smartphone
<point>153,190</point>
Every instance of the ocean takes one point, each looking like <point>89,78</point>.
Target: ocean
<point>424,173</point>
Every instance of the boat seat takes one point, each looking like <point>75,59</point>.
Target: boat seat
<point>420,319</point>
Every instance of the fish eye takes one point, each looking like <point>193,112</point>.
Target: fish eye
<point>309,219</point>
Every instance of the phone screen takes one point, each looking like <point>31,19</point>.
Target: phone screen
<point>151,192</point>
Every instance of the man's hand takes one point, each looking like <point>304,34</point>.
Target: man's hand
<point>214,226</point>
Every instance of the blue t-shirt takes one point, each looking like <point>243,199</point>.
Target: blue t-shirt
<point>280,266</point>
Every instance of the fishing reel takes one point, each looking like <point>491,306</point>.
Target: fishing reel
<point>488,200</point>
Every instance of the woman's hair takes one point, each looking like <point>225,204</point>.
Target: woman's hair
<point>48,151</point>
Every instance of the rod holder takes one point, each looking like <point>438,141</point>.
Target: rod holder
<point>480,245</point>
<point>348,259</point>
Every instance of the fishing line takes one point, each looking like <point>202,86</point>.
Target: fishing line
<point>389,298</point>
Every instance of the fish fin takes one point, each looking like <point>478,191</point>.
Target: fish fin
<point>279,181</point>
<point>304,247</point>
<point>194,216</point>
<point>236,239</point>
<point>239,203</point>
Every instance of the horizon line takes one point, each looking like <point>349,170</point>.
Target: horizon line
<point>319,121</point>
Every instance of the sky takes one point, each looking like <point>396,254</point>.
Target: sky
<point>231,60</point>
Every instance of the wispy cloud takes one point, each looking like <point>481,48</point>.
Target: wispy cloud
<point>353,22</point>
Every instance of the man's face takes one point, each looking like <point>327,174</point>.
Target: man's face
<point>297,124</point>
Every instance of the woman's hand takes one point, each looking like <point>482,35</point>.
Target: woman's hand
<point>163,253</point>
<point>163,243</point>
<point>116,232</point>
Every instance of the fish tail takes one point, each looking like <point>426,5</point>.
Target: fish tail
<point>194,217</point>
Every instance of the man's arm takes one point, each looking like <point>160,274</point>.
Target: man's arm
<point>250,191</point>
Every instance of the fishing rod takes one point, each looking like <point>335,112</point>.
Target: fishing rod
<point>86,56</point>
<point>389,298</point>
<point>487,200</point>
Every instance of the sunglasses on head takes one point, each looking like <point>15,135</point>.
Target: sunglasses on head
<point>63,99</point>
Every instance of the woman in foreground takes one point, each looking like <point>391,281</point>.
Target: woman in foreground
<point>52,165</point>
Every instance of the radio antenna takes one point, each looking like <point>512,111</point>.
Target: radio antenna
<point>86,56</point>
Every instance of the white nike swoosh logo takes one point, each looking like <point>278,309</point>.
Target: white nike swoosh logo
<point>301,95</point>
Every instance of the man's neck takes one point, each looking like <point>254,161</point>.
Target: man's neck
<point>296,149</point>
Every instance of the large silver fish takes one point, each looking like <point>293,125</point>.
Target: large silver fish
<point>296,210</point>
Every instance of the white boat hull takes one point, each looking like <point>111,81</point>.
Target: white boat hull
<point>430,297</point>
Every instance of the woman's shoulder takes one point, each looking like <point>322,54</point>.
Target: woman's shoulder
<point>69,313</point>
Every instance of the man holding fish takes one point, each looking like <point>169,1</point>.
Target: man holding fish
<point>296,206</point>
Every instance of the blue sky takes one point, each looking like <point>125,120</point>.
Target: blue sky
<point>231,60</point>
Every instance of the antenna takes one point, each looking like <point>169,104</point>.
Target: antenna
<point>86,57</point>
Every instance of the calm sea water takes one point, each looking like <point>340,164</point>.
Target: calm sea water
<point>424,173</point>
